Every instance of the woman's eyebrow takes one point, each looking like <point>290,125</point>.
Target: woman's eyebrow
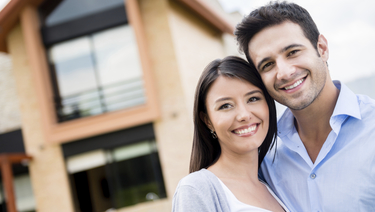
<point>223,99</point>
<point>252,92</point>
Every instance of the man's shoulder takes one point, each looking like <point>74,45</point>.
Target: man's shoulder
<point>367,108</point>
<point>365,101</point>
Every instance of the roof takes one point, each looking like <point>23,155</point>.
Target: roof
<point>9,16</point>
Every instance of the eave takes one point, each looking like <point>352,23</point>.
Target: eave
<point>9,16</point>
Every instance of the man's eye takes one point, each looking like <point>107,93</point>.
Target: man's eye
<point>225,106</point>
<point>292,52</point>
<point>267,65</point>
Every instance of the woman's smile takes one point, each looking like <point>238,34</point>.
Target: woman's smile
<point>246,130</point>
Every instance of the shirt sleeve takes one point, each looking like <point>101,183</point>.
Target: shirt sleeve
<point>190,199</point>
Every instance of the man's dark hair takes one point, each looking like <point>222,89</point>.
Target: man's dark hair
<point>274,13</point>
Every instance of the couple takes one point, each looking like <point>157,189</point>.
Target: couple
<point>324,159</point>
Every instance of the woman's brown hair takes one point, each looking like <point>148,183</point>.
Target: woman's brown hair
<point>206,150</point>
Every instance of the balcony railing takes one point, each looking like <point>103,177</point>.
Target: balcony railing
<point>102,99</point>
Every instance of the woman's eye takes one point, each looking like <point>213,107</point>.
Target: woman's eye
<point>253,99</point>
<point>225,106</point>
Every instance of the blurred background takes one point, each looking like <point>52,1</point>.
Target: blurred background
<point>96,97</point>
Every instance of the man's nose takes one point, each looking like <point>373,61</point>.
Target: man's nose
<point>284,70</point>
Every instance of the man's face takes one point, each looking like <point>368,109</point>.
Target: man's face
<point>291,68</point>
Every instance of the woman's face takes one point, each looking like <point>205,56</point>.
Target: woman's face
<point>238,113</point>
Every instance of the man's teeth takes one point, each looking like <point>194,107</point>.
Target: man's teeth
<point>247,130</point>
<point>294,85</point>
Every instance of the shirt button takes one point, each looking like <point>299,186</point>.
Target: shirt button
<point>313,176</point>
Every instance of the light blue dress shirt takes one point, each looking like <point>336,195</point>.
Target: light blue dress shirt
<point>343,175</point>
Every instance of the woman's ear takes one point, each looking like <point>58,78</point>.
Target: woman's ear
<point>204,117</point>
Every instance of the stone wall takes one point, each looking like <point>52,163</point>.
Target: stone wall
<point>9,106</point>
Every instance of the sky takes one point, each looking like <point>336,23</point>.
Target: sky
<point>348,25</point>
<point>3,3</point>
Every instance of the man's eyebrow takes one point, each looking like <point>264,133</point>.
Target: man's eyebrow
<point>282,50</point>
<point>290,46</point>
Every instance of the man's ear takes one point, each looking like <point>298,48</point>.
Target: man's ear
<point>204,117</point>
<point>322,46</point>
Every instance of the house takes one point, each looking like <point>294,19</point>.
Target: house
<point>105,92</point>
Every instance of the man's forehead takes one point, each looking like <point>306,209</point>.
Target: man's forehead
<point>274,39</point>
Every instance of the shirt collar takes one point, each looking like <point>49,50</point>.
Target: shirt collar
<point>285,123</point>
<point>347,104</point>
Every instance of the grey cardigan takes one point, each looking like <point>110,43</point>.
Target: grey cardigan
<point>200,191</point>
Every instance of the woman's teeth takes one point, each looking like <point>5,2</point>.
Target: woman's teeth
<point>247,130</point>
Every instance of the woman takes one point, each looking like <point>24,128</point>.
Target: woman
<point>234,127</point>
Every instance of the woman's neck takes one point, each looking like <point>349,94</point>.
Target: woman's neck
<point>236,167</point>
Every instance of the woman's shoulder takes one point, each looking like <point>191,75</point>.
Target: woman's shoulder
<point>199,191</point>
<point>199,179</point>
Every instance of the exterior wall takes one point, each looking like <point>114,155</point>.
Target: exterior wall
<point>47,169</point>
<point>173,135</point>
<point>195,44</point>
<point>180,45</point>
<point>10,118</point>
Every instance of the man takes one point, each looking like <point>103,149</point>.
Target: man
<point>325,159</point>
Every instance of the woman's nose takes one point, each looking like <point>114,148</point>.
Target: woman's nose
<point>243,114</point>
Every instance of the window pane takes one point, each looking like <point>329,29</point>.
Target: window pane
<point>74,66</point>
<point>116,55</point>
<point>72,9</point>
<point>77,81</point>
<point>135,181</point>
<point>24,194</point>
<point>119,68</point>
<point>136,176</point>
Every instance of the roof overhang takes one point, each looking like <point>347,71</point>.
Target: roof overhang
<point>9,16</point>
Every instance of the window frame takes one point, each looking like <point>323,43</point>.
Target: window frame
<point>56,132</point>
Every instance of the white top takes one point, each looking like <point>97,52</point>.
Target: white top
<point>237,206</point>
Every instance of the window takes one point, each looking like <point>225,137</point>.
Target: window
<point>97,73</point>
<point>25,201</point>
<point>93,56</point>
<point>115,170</point>
<point>12,142</point>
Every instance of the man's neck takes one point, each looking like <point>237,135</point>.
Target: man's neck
<point>312,123</point>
